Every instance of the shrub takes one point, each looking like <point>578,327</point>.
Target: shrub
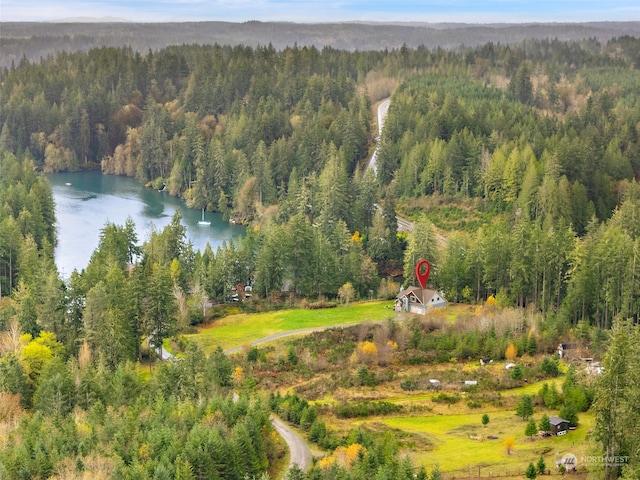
<point>408,385</point>
<point>550,367</point>
<point>366,352</point>
<point>517,373</point>
<point>318,431</point>
<point>446,398</point>
<point>253,354</point>
<point>365,409</point>
<point>530,473</point>
<point>541,466</point>
<point>473,403</point>
<point>367,378</point>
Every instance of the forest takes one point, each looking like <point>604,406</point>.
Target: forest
<point>517,165</point>
<point>37,40</point>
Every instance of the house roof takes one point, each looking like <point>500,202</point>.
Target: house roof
<point>557,420</point>
<point>422,295</point>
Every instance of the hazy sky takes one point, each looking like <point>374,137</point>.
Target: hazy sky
<point>469,11</point>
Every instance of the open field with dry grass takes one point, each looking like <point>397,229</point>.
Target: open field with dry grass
<point>453,437</point>
<point>431,432</point>
<point>242,329</point>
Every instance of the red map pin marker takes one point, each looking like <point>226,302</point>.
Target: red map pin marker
<point>423,277</point>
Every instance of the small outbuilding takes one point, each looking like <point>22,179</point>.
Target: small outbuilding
<point>559,426</point>
<point>594,368</point>
<point>419,300</point>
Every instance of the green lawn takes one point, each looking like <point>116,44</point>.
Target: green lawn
<point>242,329</point>
<point>534,388</point>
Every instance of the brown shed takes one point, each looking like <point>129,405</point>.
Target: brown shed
<point>559,426</point>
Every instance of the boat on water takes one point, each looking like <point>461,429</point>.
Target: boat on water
<point>203,222</point>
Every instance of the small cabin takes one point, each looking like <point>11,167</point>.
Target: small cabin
<point>559,426</point>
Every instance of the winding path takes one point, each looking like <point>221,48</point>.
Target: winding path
<point>300,454</point>
<point>288,333</point>
<point>383,109</point>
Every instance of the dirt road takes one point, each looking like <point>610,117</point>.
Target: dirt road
<point>300,453</point>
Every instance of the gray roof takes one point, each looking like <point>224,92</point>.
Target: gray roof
<point>557,420</point>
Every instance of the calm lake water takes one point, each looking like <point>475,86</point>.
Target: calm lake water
<point>86,201</point>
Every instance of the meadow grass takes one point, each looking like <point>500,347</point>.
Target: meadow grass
<point>534,388</point>
<point>455,451</point>
<point>242,329</point>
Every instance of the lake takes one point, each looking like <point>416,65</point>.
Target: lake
<point>85,202</point>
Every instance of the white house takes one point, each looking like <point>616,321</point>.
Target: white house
<point>419,300</point>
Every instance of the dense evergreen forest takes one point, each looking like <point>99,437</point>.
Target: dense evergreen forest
<point>541,136</point>
<point>518,165</point>
<point>37,40</point>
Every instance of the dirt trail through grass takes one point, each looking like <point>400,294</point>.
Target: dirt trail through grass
<point>235,331</point>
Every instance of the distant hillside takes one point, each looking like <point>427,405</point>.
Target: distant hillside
<point>36,40</point>
<point>91,20</point>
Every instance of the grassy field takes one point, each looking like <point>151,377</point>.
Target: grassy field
<point>455,452</point>
<point>442,434</point>
<point>242,329</point>
<point>534,388</point>
<point>451,436</point>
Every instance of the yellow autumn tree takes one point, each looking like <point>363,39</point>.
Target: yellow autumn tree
<point>34,357</point>
<point>490,302</point>
<point>509,442</point>
<point>143,452</point>
<point>238,375</point>
<point>511,352</point>
<point>352,453</point>
<point>326,462</point>
<point>366,352</point>
<point>344,456</point>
